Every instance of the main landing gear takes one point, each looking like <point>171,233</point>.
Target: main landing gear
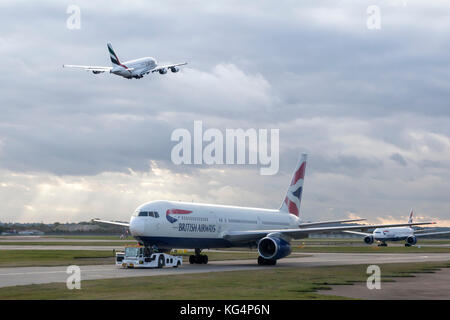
<point>266,262</point>
<point>383,244</point>
<point>198,258</point>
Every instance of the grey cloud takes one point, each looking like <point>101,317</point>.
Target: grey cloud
<point>399,159</point>
<point>362,103</point>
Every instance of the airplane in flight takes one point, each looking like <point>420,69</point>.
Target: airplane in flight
<point>130,69</point>
<point>408,234</point>
<point>164,225</point>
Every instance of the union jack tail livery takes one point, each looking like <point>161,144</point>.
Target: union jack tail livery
<point>411,216</point>
<point>293,197</point>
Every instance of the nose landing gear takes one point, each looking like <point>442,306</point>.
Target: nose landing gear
<point>198,258</point>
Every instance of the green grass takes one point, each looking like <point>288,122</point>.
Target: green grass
<point>275,283</point>
<point>29,258</point>
<point>369,249</point>
<point>32,258</point>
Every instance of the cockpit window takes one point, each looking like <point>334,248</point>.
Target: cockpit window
<point>152,214</point>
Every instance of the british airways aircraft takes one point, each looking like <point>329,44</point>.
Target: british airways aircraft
<point>168,224</point>
<point>407,234</point>
<point>130,69</point>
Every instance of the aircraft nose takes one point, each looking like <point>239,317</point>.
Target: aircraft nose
<point>137,227</point>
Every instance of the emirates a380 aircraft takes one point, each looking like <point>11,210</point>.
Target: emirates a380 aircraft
<point>169,224</point>
<point>130,69</point>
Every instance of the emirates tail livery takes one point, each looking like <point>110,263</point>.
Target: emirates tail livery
<point>130,69</point>
<point>407,234</point>
<point>168,224</point>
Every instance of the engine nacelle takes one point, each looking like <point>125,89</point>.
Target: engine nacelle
<point>272,248</point>
<point>411,240</point>
<point>174,69</point>
<point>163,71</point>
<point>368,239</point>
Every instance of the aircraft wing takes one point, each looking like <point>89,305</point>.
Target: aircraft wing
<point>117,223</point>
<point>358,233</point>
<point>167,66</point>
<point>310,224</point>
<point>88,68</point>
<point>255,235</point>
<point>431,233</point>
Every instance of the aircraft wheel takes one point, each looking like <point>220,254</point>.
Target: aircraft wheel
<point>191,259</point>
<point>266,262</point>
<point>205,259</point>
<point>261,261</point>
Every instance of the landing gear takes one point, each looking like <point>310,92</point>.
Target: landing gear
<point>198,258</point>
<point>266,262</point>
<point>407,245</point>
<point>384,244</point>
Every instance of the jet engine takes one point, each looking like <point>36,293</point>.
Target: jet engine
<point>272,248</point>
<point>411,240</point>
<point>163,71</point>
<point>174,69</point>
<point>368,239</point>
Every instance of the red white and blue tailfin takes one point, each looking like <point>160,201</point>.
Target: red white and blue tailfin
<point>411,216</point>
<point>291,203</point>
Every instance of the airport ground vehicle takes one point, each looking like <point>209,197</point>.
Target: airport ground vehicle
<point>141,257</point>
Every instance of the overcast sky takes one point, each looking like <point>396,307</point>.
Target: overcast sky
<point>371,107</point>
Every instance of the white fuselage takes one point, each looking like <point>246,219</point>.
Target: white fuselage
<point>392,234</point>
<point>173,224</point>
<point>135,68</point>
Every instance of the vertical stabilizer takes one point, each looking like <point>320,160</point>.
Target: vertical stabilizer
<point>411,216</point>
<point>292,201</point>
<point>114,59</point>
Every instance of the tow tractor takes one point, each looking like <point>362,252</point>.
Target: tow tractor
<point>144,257</point>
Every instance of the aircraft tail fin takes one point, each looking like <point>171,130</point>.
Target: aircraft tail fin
<point>411,216</point>
<point>114,59</point>
<point>291,203</point>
